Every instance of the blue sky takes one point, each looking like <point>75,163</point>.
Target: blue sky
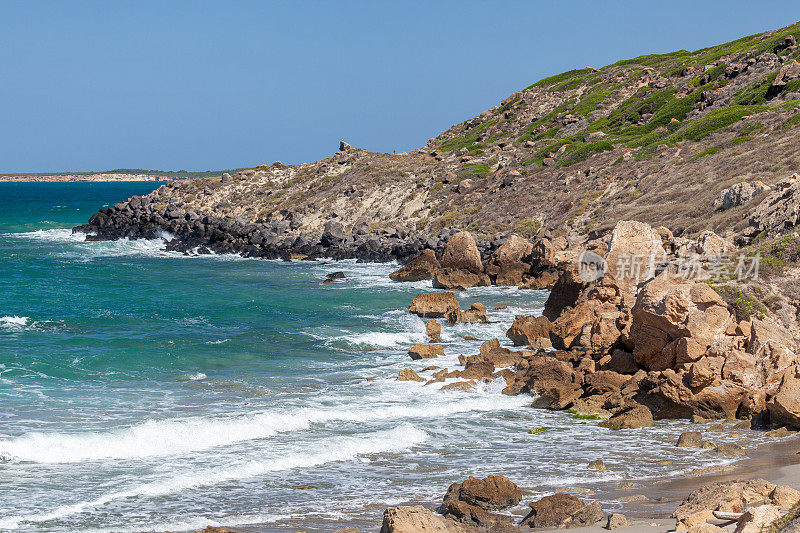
<point>211,85</point>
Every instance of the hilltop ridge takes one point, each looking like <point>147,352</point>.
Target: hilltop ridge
<point>655,138</point>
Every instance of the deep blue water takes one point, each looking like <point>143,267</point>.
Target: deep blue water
<point>145,390</point>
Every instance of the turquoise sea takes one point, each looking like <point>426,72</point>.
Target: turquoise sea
<point>144,390</point>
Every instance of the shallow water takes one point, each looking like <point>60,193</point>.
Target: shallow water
<point>146,390</point>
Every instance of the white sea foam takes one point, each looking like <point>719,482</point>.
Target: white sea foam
<point>341,448</point>
<point>182,436</point>
<point>14,323</point>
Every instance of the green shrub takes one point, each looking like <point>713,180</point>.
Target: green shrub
<point>577,152</point>
<point>468,139</point>
<point>743,304</point>
<point>708,151</point>
<point>713,121</point>
<point>528,227</point>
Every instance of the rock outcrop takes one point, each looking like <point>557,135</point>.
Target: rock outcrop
<point>423,267</point>
<point>433,305</point>
<point>562,511</point>
<point>491,493</point>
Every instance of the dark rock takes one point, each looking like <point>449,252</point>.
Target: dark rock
<point>562,511</point>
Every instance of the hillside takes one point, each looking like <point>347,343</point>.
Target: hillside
<point>654,138</point>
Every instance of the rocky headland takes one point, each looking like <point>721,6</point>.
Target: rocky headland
<point>654,198</point>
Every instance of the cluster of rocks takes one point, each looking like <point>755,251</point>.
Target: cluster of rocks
<point>753,505</point>
<point>462,261</point>
<point>515,262</point>
<point>471,506</point>
<point>188,231</point>
<point>631,350</point>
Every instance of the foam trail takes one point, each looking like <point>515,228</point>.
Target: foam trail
<point>182,436</point>
<point>339,449</point>
<point>14,323</point>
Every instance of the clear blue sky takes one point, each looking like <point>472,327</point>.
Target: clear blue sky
<point>210,85</point>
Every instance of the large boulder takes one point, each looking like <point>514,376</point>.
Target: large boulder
<point>739,194</point>
<point>668,395</point>
<point>711,244</point>
<point>490,493</point>
<point>461,253</point>
<point>433,305</point>
<point>631,417</point>
<point>417,519</point>
<point>459,279</point>
<point>757,519</point>
<point>529,330</point>
<point>562,511</point>
<point>784,407</point>
<point>513,250</point>
<point>475,314</point>
<point>778,212</point>
<point>476,517</point>
<point>676,321</point>
<point>632,252</point>
<point>425,351</point>
<point>565,293</point>
<point>543,254</point>
<point>731,497</point>
<point>422,267</point>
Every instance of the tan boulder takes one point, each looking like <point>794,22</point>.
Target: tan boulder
<point>731,497</point>
<point>475,517</point>
<point>526,329</point>
<point>543,253</point>
<point>785,497</point>
<point>461,253</point>
<point>513,250</point>
<point>668,396</point>
<point>463,386</point>
<point>509,275</point>
<point>422,267</point>
<point>434,330</point>
<point>425,351</point>
<point>566,292</point>
<point>541,279</point>
<point>631,417</point>
<point>757,519</point>
<point>475,314</point>
<point>676,320</point>
<point>784,407</point>
<point>409,375</point>
<point>632,252</point>
<point>460,279</point>
<point>711,244</point>
<point>417,519</point>
<point>477,370</point>
<point>433,305</point>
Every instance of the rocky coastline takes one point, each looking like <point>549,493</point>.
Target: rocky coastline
<point>620,349</point>
<point>650,197</point>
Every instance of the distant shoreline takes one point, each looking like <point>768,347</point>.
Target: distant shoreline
<point>97,177</point>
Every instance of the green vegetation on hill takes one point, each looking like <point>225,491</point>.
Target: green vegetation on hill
<point>640,104</point>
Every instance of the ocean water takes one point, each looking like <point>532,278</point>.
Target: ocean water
<point>144,390</point>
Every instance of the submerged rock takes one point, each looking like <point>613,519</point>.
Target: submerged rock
<point>690,439</point>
